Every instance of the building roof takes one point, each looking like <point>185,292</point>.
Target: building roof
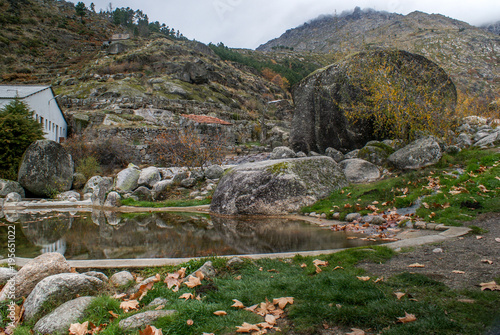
<point>206,119</point>
<point>20,91</point>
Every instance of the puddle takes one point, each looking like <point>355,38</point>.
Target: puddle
<point>111,235</point>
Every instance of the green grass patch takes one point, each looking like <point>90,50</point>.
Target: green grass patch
<point>167,203</point>
<point>457,189</point>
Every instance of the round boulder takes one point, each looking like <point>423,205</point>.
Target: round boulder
<point>276,186</point>
<point>423,152</point>
<point>360,171</point>
<point>46,168</point>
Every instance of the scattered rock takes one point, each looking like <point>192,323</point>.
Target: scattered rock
<point>46,168</point>
<point>437,251</point>
<point>98,275</point>
<point>127,180</point>
<point>161,189</point>
<point>334,154</point>
<point>143,194</point>
<point>144,319</point>
<point>122,278</point>
<point>91,184</point>
<point>282,153</point>
<point>276,186</point>
<point>113,200</point>
<point>32,273</point>
<point>59,288</point>
<point>59,320</point>
<point>420,153</point>
<point>13,197</point>
<point>207,269</point>
<point>235,262</point>
<point>68,195</point>
<point>158,302</point>
<point>9,186</point>
<point>360,171</point>
<point>353,217</point>
<point>214,172</point>
<point>101,190</point>
<point>188,182</point>
<point>149,176</point>
<point>6,274</point>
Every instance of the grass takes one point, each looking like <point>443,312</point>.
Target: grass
<point>457,189</point>
<point>332,297</point>
<point>168,203</point>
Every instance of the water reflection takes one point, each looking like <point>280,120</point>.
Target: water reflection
<point>105,234</point>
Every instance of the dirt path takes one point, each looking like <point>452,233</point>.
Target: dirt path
<point>468,253</point>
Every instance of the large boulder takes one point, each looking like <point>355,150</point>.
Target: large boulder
<point>329,102</point>
<point>149,176</point>
<point>32,273</point>
<point>276,186</point>
<point>420,153</point>
<point>46,168</point>
<point>59,289</point>
<point>8,186</point>
<point>59,320</point>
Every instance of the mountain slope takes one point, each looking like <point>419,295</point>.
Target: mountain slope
<point>469,54</point>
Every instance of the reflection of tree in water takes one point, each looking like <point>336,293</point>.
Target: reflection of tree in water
<point>154,235</point>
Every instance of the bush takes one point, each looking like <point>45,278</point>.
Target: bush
<point>18,129</point>
<point>89,167</point>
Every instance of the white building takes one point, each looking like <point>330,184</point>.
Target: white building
<point>41,100</point>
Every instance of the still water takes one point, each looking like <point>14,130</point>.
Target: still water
<point>111,235</point>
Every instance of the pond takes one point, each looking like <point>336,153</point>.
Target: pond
<point>111,235</point>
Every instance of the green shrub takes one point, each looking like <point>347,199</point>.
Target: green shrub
<point>89,166</point>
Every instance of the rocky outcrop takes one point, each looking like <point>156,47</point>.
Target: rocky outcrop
<point>59,288</point>
<point>325,98</point>
<point>420,153</point>
<point>46,168</point>
<point>276,186</point>
<point>32,273</point>
<point>59,320</point>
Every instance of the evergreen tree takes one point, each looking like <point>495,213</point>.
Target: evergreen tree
<point>18,130</point>
<point>80,10</point>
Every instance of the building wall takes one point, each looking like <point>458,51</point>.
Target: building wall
<point>48,113</point>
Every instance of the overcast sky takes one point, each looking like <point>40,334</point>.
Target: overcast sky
<point>249,23</point>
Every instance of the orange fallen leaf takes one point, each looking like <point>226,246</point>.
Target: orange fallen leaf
<point>486,261</point>
<point>247,328</point>
<point>220,313</point>
<point>356,331</point>
<point>458,272</point>
<point>190,322</point>
<point>237,278</point>
<point>338,268</point>
<point>199,275</point>
<point>193,282</point>
<point>271,319</point>
<point>119,296</point>
<point>143,290</point>
<point>252,308</point>
<point>282,302</point>
<point>363,278</point>
<point>79,328</point>
<point>182,272</point>
<point>303,265</point>
<point>265,326</point>
<point>129,304</point>
<point>265,308</point>
<point>492,286</point>
<point>237,304</point>
<point>399,295</point>
<point>261,269</point>
<point>416,265</point>
<point>478,237</point>
<point>407,318</point>
<point>151,330</point>
<point>187,296</point>
<point>113,314</point>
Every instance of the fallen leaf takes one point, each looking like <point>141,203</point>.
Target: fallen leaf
<point>303,265</point>
<point>407,318</point>
<point>492,286</point>
<point>79,328</point>
<point>193,282</point>
<point>237,278</point>
<point>237,304</point>
<point>207,334</point>
<point>129,304</point>
<point>119,296</point>
<point>497,239</point>
<point>113,314</point>
<point>247,328</point>
<point>399,295</point>
<point>458,272</point>
<point>143,290</point>
<point>252,308</point>
<point>159,307</point>
<point>379,280</point>
<point>151,330</point>
<point>363,278</point>
<point>486,261</point>
<point>416,265</point>
<point>338,268</point>
<point>467,301</point>
<point>282,302</point>
<point>271,319</point>
<point>261,269</point>
<point>264,325</point>
<point>220,313</point>
<point>187,296</point>
<point>265,308</point>
<point>172,279</point>
<point>182,272</point>
<point>356,331</point>
<point>190,322</point>
<point>200,275</point>
<point>478,237</point>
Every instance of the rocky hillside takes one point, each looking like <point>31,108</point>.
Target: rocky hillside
<point>469,54</point>
<point>145,81</point>
<point>492,27</point>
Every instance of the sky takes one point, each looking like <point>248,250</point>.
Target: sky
<point>249,23</point>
